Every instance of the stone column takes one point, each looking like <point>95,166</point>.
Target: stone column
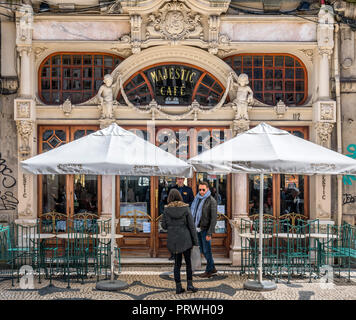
<point>324,113</point>
<point>25,115</point>
<point>239,191</point>
<point>106,183</point>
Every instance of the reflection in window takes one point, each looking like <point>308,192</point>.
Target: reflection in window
<point>273,77</point>
<point>292,194</point>
<point>85,194</point>
<point>74,76</point>
<point>218,189</point>
<point>54,194</point>
<point>135,204</point>
<point>173,84</point>
<point>164,186</point>
<point>254,194</point>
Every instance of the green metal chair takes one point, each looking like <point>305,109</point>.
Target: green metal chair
<point>294,249</point>
<point>23,248</point>
<point>339,248</point>
<point>3,244</point>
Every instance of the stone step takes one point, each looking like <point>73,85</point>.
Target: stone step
<point>165,261</point>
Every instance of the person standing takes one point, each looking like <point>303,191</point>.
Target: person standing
<point>204,211</point>
<point>187,195</point>
<point>185,191</point>
<point>178,222</point>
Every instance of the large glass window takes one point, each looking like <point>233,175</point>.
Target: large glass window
<point>283,193</point>
<point>173,84</point>
<point>66,195</point>
<point>76,76</point>
<point>135,204</point>
<point>273,77</point>
<point>254,194</point>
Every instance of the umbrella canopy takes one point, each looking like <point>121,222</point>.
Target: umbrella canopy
<point>265,149</point>
<point>111,151</point>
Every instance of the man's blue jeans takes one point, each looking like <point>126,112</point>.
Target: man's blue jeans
<point>205,249</point>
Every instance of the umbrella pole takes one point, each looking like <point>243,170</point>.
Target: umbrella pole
<point>112,285</point>
<point>113,207</point>
<point>260,285</point>
<point>260,244</point>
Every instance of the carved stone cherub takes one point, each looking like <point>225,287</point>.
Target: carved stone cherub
<point>241,95</point>
<point>106,97</point>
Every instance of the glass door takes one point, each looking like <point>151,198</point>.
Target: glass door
<point>63,197</point>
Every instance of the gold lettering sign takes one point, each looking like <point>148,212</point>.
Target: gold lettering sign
<point>172,73</point>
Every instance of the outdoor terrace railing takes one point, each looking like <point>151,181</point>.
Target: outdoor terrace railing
<point>296,250</point>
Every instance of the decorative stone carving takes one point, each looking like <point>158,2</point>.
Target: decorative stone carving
<point>280,109</point>
<point>240,126</point>
<point>136,22</point>
<point>104,123</point>
<point>24,130</point>
<point>324,130</point>
<point>124,52</point>
<point>106,98</point>
<point>325,111</point>
<point>174,22</point>
<point>241,96</point>
<point>194,108</point>
<point>214,26</point>
<point>325,30</point>
<point>24,109</point>
<point>24,24</point>
<point>38,51</point>
<point>67,107</point>
<point>309,53</point>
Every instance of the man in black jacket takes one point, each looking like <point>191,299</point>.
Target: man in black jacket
<point>204,211</point>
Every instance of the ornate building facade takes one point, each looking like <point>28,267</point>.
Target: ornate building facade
<point>175,71</point>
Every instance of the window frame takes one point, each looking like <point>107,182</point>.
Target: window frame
<point>230,60</point>
<point>195,89</point>
<point>72,66</point>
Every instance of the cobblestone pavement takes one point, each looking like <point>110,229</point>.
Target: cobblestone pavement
<point>157,283</point>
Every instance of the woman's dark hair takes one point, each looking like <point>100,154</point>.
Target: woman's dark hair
<point>174,195</point>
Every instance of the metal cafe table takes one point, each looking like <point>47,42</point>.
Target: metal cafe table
<point>103,250</point>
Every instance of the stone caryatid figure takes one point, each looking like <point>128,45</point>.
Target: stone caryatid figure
<point>241,95</point>
<point>106,97</point>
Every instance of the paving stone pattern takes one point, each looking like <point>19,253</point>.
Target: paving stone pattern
<point>157,283</point>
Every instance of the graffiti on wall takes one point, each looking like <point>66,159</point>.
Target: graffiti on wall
<point>348,198</point>
<point>8,200</point>
<point>347,180</point>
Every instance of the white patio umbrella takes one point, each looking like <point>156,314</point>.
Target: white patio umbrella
<point>268,150</point>
<point>111,151</point>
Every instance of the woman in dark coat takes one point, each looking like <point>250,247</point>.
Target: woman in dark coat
<point>182,236</point>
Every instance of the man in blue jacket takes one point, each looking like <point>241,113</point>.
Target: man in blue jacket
<point>185,191</point>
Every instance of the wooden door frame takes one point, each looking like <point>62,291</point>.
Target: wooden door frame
<point>193,184</point>
<point>276,179</point>
<point>69,180</point>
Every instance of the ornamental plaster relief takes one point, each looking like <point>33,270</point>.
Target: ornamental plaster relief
<point>183,54</point>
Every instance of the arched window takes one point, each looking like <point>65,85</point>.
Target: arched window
<point>273,77</point>
<point>76,76</point>
<point>173,84</point>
